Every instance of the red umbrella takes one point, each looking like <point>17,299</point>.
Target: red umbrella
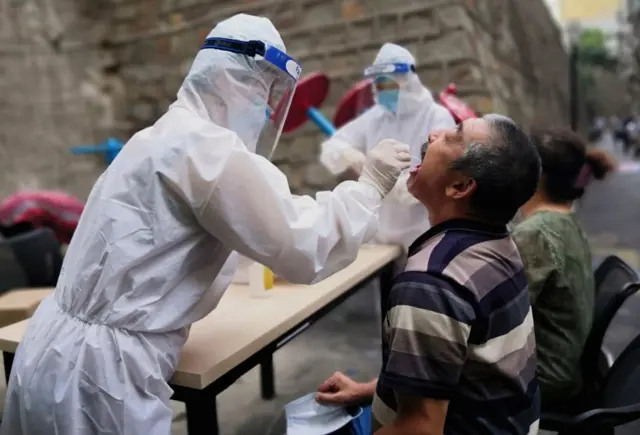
<point>358,99</point>
<point>55,210</point>
<point>456,106</point>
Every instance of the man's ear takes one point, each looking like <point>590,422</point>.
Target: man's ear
<point>461,188</point>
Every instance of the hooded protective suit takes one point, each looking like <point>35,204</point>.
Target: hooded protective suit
<point>402,219</point>
<point>151,254</point>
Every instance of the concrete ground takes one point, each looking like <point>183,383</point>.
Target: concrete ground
<point>347,339</point>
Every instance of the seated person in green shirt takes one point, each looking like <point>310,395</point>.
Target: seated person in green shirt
<point>557,261</point>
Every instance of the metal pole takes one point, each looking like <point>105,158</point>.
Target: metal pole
<point>573,87</point>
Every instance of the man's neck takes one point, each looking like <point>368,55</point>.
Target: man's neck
<point>539,202</point>
<point>446,214</point>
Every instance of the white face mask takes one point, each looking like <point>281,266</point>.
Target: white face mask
<point>305,416</point>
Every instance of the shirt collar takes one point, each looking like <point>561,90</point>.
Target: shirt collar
<point>495,230</point>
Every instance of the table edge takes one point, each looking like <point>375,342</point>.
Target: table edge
<point>200,381</point>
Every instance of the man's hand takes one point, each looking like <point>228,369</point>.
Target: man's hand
<point>339,389</point>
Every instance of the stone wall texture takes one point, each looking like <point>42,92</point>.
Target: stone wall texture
<point>75,72</point>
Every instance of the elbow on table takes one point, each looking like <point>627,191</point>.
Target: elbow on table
<point>299,271</point>
<point>308,270</point>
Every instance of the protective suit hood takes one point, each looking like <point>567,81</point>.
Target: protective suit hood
<point>222,86</point>
<point>393,53</point>
<point>413,94</point>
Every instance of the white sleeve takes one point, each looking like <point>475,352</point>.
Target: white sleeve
<point>244,201</point>
<point>351,135</point>
<point>442,119</point>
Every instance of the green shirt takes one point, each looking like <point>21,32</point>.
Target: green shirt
<point>557,261</point>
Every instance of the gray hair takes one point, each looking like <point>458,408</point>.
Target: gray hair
<point>505,167</point>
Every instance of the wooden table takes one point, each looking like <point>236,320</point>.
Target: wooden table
<point>19,304</point>
<point>244,331</point>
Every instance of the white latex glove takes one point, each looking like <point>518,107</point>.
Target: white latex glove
<point>384,165</point>
<point>354,159</point>
<point>400,193</point>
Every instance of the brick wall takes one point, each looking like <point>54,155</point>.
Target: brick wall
<point>118,64</point>
<point>51,96</point>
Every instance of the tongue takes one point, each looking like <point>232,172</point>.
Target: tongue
<point>414,170</point>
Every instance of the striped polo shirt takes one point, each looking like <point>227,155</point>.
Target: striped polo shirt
<point>458,327</point>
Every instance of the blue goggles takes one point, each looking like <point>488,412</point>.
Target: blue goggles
<point>389,68</point>
<point>273,55</point>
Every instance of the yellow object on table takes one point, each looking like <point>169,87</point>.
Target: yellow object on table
<point>261,279</point>
<point>269,278</point>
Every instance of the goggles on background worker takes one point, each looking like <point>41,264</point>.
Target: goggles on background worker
<point>386,74</point>
<point>281,73</point>
<point>388,69</point>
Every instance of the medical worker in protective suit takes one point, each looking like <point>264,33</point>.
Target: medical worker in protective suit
<point>151,254</point>
<point>404,111</point>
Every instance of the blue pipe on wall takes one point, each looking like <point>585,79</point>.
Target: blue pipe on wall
<point>111,147</point>
<point>321,121</point>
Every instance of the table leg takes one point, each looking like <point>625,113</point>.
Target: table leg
<point>267,383</point>
<point>8,363</point>
<point>202,415</point>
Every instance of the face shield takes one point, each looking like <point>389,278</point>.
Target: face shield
<point>388,80</point>
<point>269,104</point>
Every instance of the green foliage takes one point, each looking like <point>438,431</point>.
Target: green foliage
<point>592,38</point>
<point>593,56</point>
<point>593,51</point>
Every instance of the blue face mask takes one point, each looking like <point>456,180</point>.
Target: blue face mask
<point>388,100</point>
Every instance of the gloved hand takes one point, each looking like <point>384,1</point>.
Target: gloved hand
<point>384,164</point>
<point>354,160</point>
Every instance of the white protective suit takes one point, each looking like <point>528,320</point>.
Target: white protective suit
<point>151,254</point>
<point>402,219</point>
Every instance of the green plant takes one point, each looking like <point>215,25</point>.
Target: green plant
<point>593,51</point>
<point>593,56</point>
